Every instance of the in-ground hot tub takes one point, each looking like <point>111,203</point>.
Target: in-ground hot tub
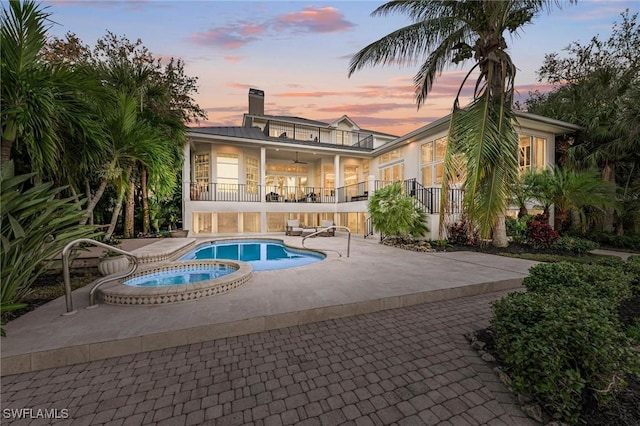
<point>177,282</point>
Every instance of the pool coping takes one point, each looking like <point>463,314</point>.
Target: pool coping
<point>375,278</point>
<point>118,293</point>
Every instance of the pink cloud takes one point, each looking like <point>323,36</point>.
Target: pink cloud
<point>233,58</point>
<point>307,94</point>
<point>229,37</point>
<point>235,85</point>
<point>313,20</point>
<point>365,108</point>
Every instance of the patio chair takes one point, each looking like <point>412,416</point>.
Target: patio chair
<point>327,232</point>
<point>293,227</point>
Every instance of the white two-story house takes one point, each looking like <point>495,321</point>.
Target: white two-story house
<point>252,178</point>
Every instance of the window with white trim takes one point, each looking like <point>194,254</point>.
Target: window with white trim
<point>227,167</point>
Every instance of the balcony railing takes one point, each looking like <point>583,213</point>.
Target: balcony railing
<point>355,192</point>
<point>256,193</point>
<point>298,132</point>
<point>428,197</point>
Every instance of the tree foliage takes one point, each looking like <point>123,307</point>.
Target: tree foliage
<point>597,85</point>
<point>36,224</point>
<point>394,213</point>
<point>481,136</point>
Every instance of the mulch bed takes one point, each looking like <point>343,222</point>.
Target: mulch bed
<point>50,285</point>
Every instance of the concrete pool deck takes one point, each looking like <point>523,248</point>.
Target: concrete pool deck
<point>373,278</point>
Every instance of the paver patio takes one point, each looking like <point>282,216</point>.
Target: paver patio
<point>406,366</point>
<point>343,341</point>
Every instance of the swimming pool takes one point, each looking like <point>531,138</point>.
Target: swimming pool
<point>263,255</point>
<point>180,277</point>
<point>175,282</point>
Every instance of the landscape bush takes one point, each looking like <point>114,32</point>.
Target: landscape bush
<point>516,228</point>
<point>589,281</point>
<point>562,348</point>
<point>628,242</point>
<point>576,245</point>
<point>632,267</point>
<point>539,232</point>
<point>459,234</point>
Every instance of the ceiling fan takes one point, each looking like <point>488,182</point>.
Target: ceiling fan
<point>296,161</point>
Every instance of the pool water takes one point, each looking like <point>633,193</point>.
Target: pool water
<point>177,277</point>
<point>263,255</point>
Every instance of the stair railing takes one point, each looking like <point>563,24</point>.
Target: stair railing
<point>332,227</point>
<point>66,251</point>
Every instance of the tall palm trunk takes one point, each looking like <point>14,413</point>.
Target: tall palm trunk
<point>130,211</point>
<point>5,154</point>
<point>122,189</point>
<point>93,202</point>
<point>608,175</point>
<point>146,214</point>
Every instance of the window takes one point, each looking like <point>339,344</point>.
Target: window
<point>251,175</point>
<point>390,156</point>
<point>365,170</point>
<point>201,171</point>
<point>524,153</point>
<point>288,180</point>
<point>532,153</point>
<point>329,180</point>
<point>393,173</point>
<point>540,149</point>
<point>351,180</point>
<point>432,161</point>
<point>227,167</point>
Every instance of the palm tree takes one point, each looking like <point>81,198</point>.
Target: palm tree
<point>394,213</point>
<point>44,106</point>
<point>451,32</point>
<point>570,191</point>
<point>133,140</point>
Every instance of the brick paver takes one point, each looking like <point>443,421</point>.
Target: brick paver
<point>407,366</point>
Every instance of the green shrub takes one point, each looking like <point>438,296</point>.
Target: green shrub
<point>633,331</point>
<point>629,242</point>
<point>394,213</point>
<point>36,224</point>
<point>611,261</point>
<point>516,228</point>
<point>632,267</point>
<point>592,281</point>
<point>562,348</point>
<point>575,245</point>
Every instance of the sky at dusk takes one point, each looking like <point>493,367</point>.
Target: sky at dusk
<point>298,53</point>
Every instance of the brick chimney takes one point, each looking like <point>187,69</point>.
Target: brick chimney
<point>256,102</point>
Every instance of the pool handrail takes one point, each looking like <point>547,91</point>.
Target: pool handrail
<point>332,227</point>
<point>67,275</point>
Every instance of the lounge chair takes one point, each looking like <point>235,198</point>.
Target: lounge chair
<point>293,227</point>
<point>327,232</point>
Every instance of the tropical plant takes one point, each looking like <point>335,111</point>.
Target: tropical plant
<point>36,225</point>
<point>481,136</point>
<point>134,140</point>
<point>46,108</point>
<point>598,87</point>
<point>572,191</point>
<point>394,213</point>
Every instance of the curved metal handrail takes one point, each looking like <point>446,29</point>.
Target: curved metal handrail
<point>332,227</point>
<point>67,276</point>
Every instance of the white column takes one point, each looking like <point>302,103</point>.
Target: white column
<point>336,175</point>
<point>186,186</point>
<point>263,191</point>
